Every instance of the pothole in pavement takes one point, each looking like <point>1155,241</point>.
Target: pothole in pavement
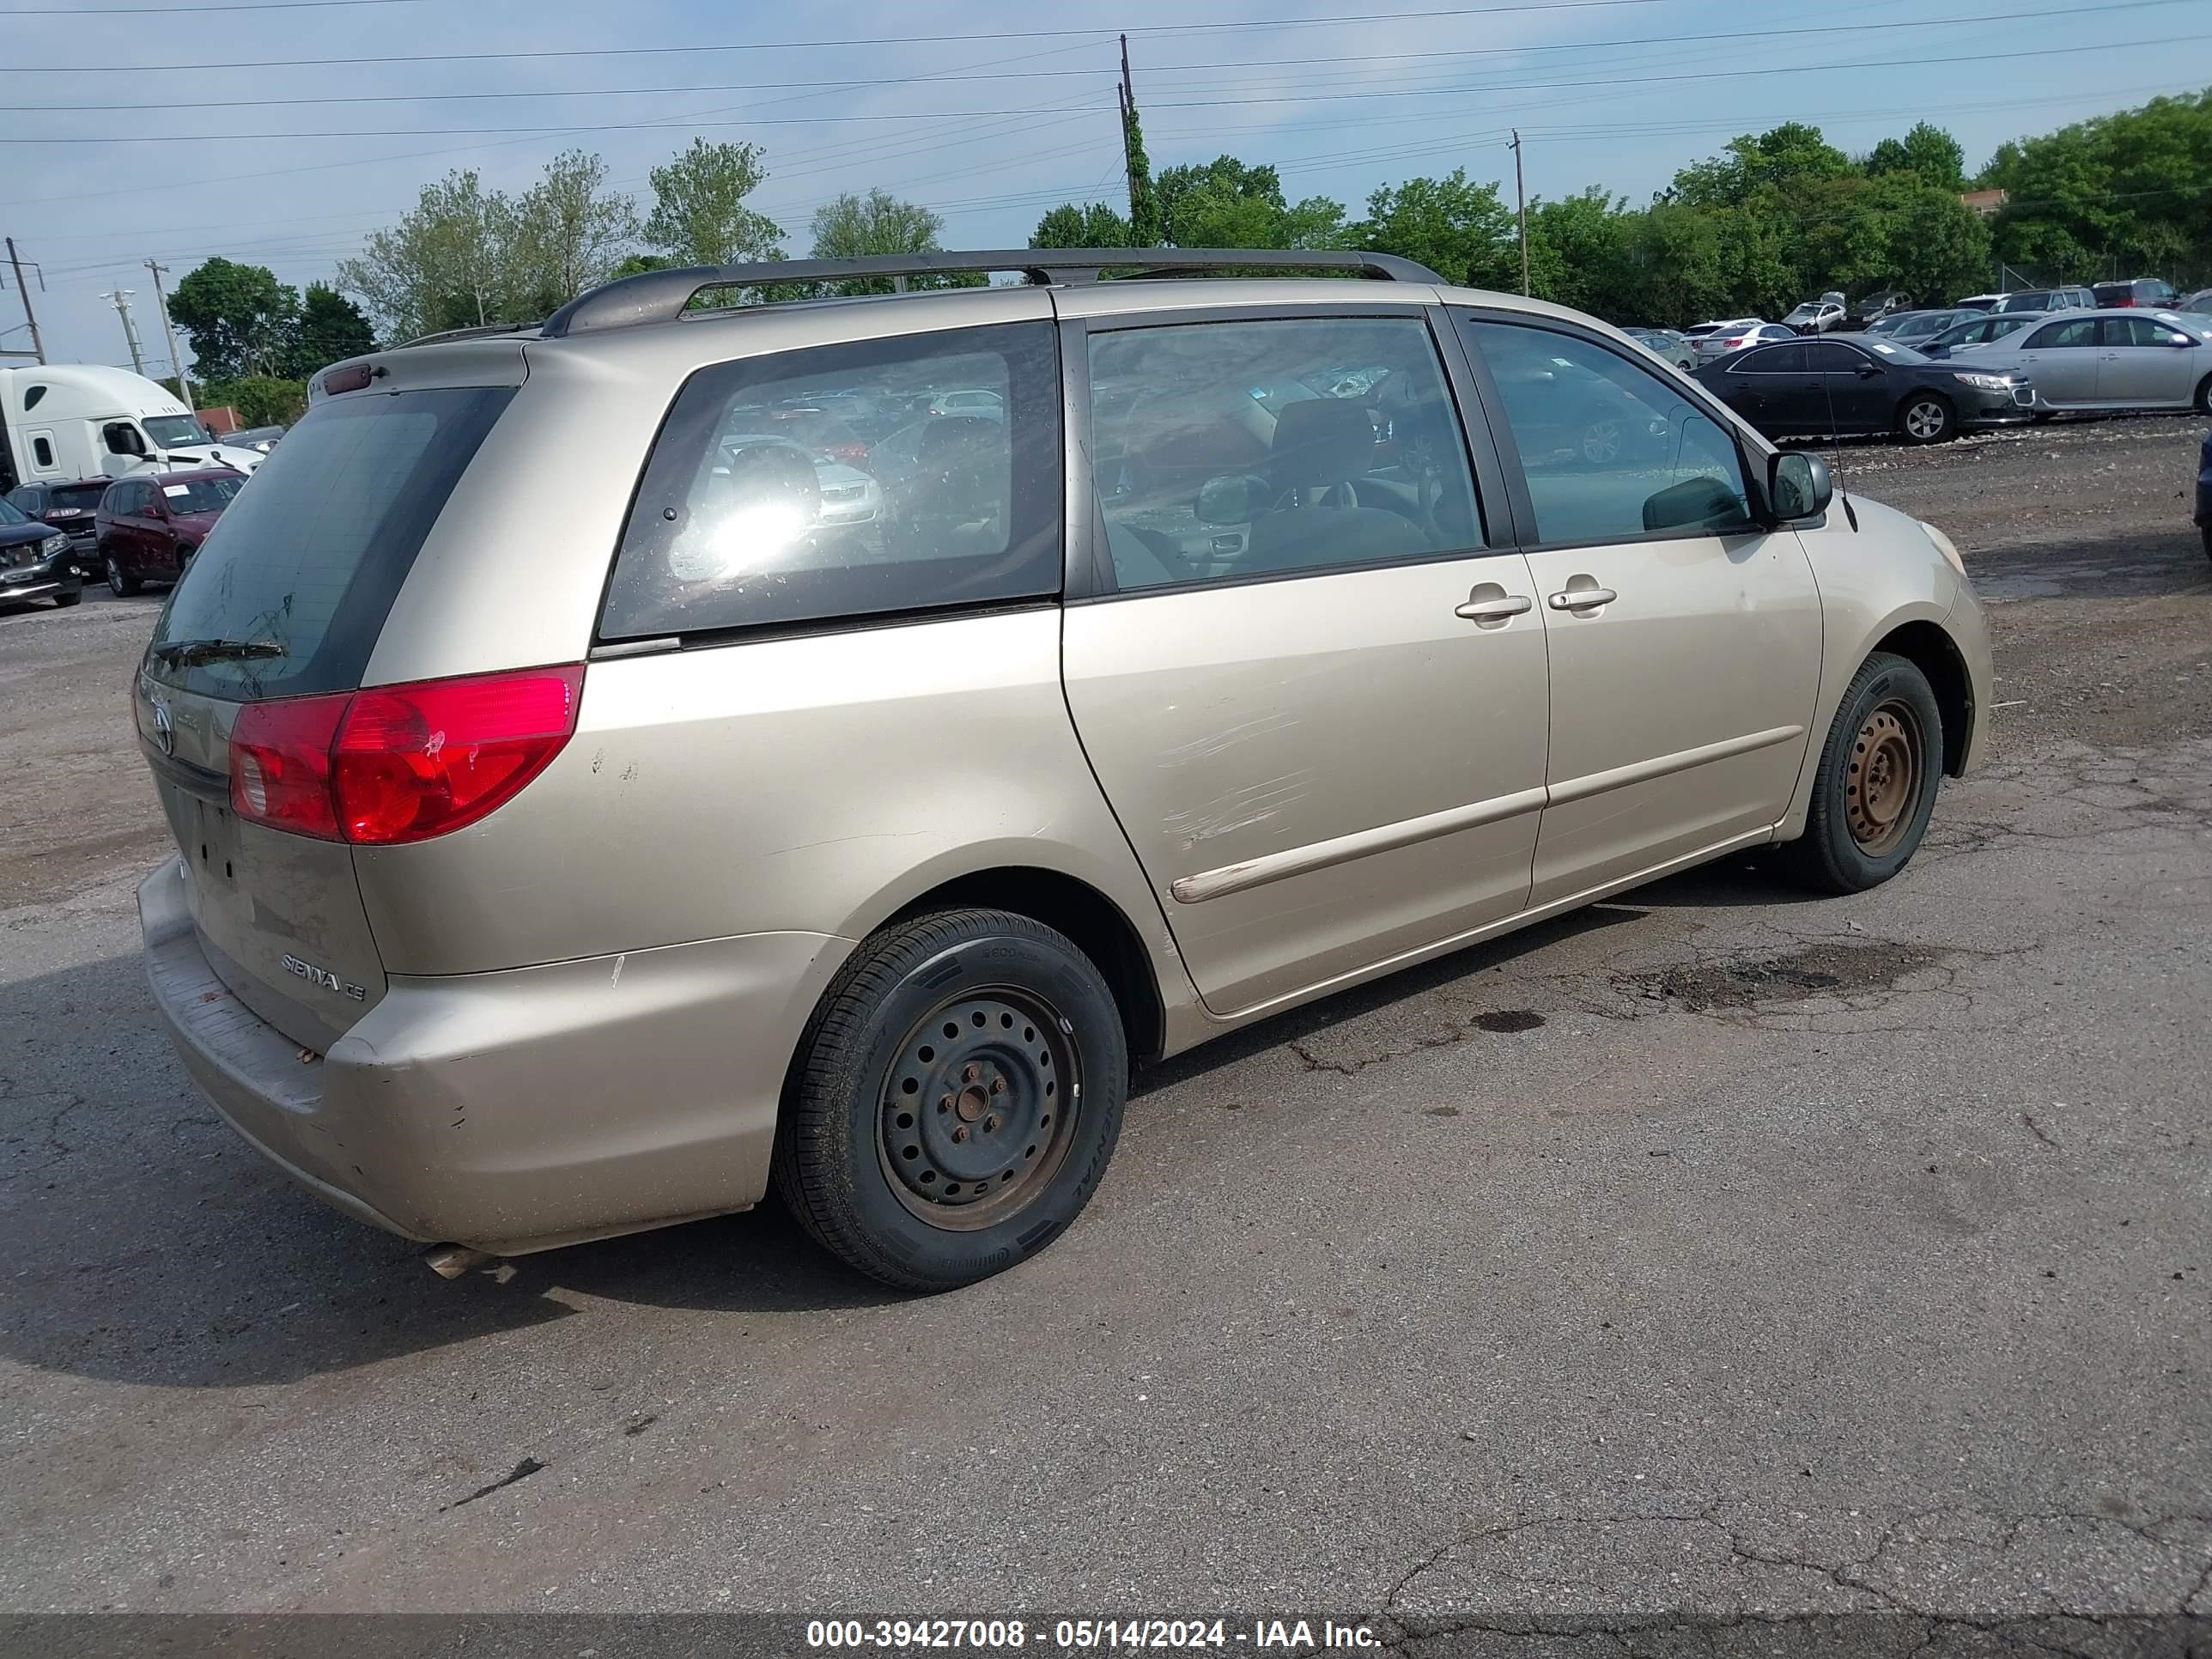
<point>1837,969</point>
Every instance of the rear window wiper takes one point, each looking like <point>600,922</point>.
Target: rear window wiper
<point>180,652</point>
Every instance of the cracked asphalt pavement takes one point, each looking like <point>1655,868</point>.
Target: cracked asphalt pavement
<point>1713,1260</point>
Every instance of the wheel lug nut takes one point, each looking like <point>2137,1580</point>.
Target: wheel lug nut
<point>960,1133</point>
<point>997,1085</point>
<point>970,1072</point>
<point>992,1122</point>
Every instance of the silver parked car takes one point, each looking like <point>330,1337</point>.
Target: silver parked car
<point>1979,329</point>
<point>558,862</point>
<point>2121,358</point>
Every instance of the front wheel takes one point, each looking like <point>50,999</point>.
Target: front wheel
<point>120,582</point>
<point>954,1099</point>
<point>1927,419</point>
<point>2204,399</point>
<point>1876,789</point>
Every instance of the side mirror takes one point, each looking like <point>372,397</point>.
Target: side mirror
<point>1233,498</point>
<point>1937,351</point>
<point>1798,485</point>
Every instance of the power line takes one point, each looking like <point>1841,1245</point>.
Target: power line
<point>193,10</point>
<point>1822,29</point>
<point>681,124</point>
<point>1366,19</point>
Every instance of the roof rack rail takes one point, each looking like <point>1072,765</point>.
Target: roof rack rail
<point>482,331</point>
<point>656,296</point>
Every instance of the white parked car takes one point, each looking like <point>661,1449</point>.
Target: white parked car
<point>1724,338</point>
<point>849,495</point>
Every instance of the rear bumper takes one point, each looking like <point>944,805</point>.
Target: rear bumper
<point>518,1110</point>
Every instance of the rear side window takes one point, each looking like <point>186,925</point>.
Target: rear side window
<point>762,508</point>
<point>310,558</point>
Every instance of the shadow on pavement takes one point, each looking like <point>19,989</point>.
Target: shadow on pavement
<point>148,1244</point>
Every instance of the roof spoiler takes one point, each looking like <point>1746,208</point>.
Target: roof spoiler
<point>656,296</point>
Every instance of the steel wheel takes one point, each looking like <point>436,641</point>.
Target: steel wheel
<point>1888,757</point>
<point>980,1108</point>
<point>1601,441</point>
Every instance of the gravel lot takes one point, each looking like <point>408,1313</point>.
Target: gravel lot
<point>1713,1254</point>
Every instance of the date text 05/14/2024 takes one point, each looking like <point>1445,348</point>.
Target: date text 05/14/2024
<point>1291,1635</point>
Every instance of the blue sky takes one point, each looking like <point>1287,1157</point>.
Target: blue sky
<point>989,131</point>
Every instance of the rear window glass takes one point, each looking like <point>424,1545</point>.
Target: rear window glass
<point>201,495</point>
<point>761,509</point>
<point>84,497</point>
<point>310,558</point>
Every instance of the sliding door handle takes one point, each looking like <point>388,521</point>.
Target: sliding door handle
<point>1512,604</point>
<point>1581,599</point>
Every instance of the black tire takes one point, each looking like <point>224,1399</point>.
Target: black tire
<point>120,582</point>
<point>931,1199</point>
<point>2203,399</point>
<point>2206,531</point>
<point>1864,826</point>
<point>64,601</point>
<point>1925,417</point>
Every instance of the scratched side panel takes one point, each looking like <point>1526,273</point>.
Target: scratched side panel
<point>1235,723</point>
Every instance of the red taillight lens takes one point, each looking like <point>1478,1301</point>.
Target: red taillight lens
<point>280,763</point>
<point>851,454</point>
<point>400,762</point>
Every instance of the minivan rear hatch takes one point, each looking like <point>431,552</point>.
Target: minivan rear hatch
<point>286,600</point>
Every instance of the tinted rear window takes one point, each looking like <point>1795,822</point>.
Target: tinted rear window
<point>310,558</point>
<point>746,519</point>
<point>84,497</point>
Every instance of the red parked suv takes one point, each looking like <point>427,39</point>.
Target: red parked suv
<point>149,524</point>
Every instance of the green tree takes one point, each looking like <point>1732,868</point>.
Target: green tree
<point>259,399</point>
<point>2125,194</point>
<point>241,319</point>
<point>1577,251</point>
<point>1927,151</point>
<point>1781,158</point>
<point>1939,247</point>
<point>445,265</point>
<point>1143,201</point>
<point>699,214</point>
<point>566,233</point>
<point>1093,225</point>
<point>853,227</point>
<point>1196,198</point>
<point>1456,227</point>
<point>331,328</point>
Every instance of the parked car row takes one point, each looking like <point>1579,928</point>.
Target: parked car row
<point>126,532</point>
<point>1992,369</point>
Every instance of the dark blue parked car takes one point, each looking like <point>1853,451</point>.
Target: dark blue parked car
<point>2205,493</point>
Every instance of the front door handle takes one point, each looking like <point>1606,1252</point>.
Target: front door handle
<point>1499,609</point>
<point>1581,599</point>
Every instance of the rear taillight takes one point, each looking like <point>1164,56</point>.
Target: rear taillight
<point>399,762</point>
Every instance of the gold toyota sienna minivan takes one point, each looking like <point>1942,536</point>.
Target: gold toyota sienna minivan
<point>617,764</point>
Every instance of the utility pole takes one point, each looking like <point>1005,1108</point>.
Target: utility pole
<point>162,300</point>
<point>38,344</point>
<point>1521,199</point>
<point>120,299</point>
<point>1127,93</point>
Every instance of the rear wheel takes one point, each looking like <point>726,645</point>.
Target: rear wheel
<point>1876,789</point>
<point>1927,419</point>
<point>120,580</point>
<point>954,1099</point>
